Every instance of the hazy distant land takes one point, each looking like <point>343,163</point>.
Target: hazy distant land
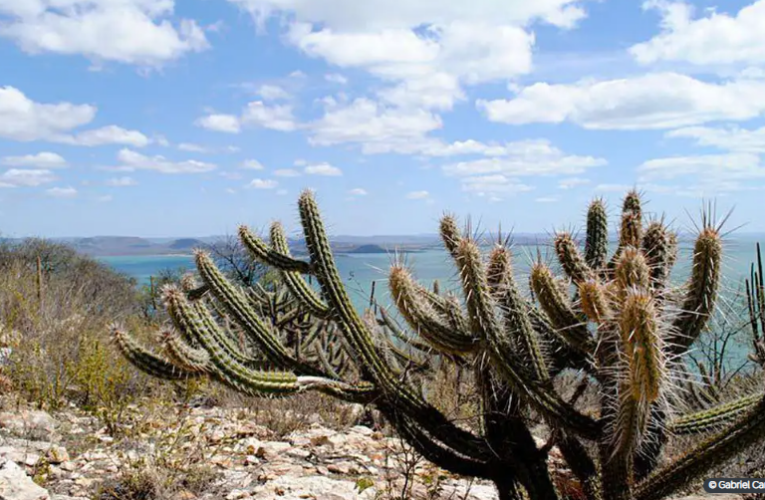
<point>105,246</point>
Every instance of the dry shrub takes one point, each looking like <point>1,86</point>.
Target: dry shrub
<point>55,308</point>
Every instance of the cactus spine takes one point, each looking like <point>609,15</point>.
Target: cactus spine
<point>620,328</point>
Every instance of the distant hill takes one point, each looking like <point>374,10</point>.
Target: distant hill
<point>186,244</point>
<point>368,249</point>
<point>342,244</point>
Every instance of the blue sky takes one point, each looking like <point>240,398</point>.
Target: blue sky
<point>186,118</point>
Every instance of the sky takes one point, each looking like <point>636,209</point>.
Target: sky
<point>161,118</point>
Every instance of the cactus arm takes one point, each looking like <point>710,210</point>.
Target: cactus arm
<point>436,452</point>
<point>182,354</point>
<point>481,315</point>
<point>267,255</point>
<point>571,260</point>
<point>147,361</point>
<point>702,287</point>
<point>423,319</point>
<point>236,305</point>
<point>238,376</point>
<point>360,341</point>
<point>713,418</point>
<point>571,328</point>
<point>386,321</point>
<point>293,279</point>
<point>450,234</point>
<point>657,247</point>
<point>716,450</point>
<point>513,307</point>
<point>596,243</point>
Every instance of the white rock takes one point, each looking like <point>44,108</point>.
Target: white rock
<point>16,485</point>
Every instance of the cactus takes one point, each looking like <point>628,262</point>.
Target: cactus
<point>622,327</point>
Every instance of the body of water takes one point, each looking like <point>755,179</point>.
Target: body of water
<point>360,270</point>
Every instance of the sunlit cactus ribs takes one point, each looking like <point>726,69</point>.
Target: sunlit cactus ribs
<point>613,319</point>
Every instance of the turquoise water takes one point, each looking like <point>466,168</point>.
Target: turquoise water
<point>360,270</point>
<point>141,267</point>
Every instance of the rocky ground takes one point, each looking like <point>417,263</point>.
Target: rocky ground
<point>210,453</point>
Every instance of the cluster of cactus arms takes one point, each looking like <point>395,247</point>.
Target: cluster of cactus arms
<point>614,319</point>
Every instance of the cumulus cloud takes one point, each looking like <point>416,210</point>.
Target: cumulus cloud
<point>272,92</point>
<point>62,192</point>
<point>652,101</point>
<point>220,123</point>
<point>44,160</point>
<point>26,178</point>
<point>497,183</point>
<point>22,119</point>
<point>418,195</point>
<point>130,161</point>
<point>377,128</point>
<point>712,39</point>
<point>251,165</point>
<point>139,32</point>
<point>358,192</point>
<point>111,134</point>
<point>121,182</point>
<point>263,184</point>
<point>192,148</point>
<point>323,169</point>
<point>728,138</point>
<point>256,114</point>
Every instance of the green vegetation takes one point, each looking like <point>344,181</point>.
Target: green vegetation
<point>616,321</point>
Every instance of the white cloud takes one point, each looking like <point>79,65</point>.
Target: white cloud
<point>111,134</point>
<point>336,78</point>
<point>572,182</point>
<point>131,161</point>
<point>42,160</point>
<point>220,123</point>
<point>272,92</point>
<point>26,178</point>
<point>263,184</point>
<point>614,188</point>
<point>22,119</point>
<point>653,101</point>
<point>59,192</point>
<point>425,69</point>
<point>251,165</point>
<point>424,52</point>
<point>256,114</point>
<point>729,138</point>
<point>121,182</point>
<point>526,158</point>
<point>286,172</point>
<point>709,168</point>
<point>713,39</point>
<point>323,169</point>
<point>378,129</point>
<point>418,195</point>
<point>375,15</point>
<point>546,199</point>
<point>278,117</point>
<point>358,192</point>
<point>192,148</point>
<point>128,31</point>
<point>281,192</point>
<point>105,198</point>
<point>497,183</point>
<point>498,172</point>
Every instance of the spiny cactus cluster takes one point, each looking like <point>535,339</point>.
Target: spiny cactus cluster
<point>615,320</point>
